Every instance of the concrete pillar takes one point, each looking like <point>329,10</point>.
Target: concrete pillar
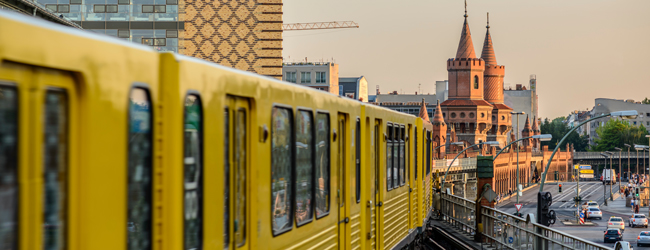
<point>470,190</point>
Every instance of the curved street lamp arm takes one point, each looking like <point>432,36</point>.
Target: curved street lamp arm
<point>541,185</point>
<point>510,144</point>
<point>452,163</point>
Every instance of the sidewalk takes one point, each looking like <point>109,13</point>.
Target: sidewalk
<point>618,207</point>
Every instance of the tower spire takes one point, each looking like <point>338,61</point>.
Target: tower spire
<point>488,49</point>
<point>465,46</point>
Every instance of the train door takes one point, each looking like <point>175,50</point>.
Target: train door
<point>237,174</point>
<point>341,181</point>
<point>377,186</point>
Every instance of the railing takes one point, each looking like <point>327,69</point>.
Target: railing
<point>596,155</point>
<point>501,230</point>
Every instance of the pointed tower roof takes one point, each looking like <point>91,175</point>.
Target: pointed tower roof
<point>423,111</point>
<point>527,125</point>
<point>535,127</point>
<point>488,50</point>
<point>465,46</point>
<point>437,117</point>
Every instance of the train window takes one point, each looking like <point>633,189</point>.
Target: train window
<point>9,167</point>
<point>415,153</point>
<point>396,156</point>
<point>55,169</point>
<point>281,172</point>
<point>240,177</point>
<point>357,148</point>
<point>402,156</point>
<point>226,180</point>
<point>304,167</point>
<point>428,163</point>
<point>389,157</point>
<point>193,170</point>
<point>139,177</point>
<point>322,164</point>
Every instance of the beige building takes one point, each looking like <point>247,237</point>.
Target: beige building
<point>322,76</point>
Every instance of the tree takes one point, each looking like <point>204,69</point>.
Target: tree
<point>617,132</point>
<point>646,101</point>
<point>558,129</point>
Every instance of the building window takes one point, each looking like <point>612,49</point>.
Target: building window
<point>160,8</point>
<point>172,34</point>
<point>75,1</point>
<point>51,7</point>
<point>321,77</point>
<point>147,8</point>
<point>305,77</point>
<point>123,33</point>
<point>111,8</point>
<point>123,2</point>
<point>172,2</point>
<point>475,82</point>
<point>63,8</point>
<point>290,77</point>
<point>453,115</point>
<point>99,8</point>
<point>154,41</point>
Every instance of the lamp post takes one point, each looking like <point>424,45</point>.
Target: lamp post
<point>518,146</point>
<point>605,181</point>
<point>628,160</point>
<point>491,143</point>
<point>620,174</point>
<point>628,114</point>
<point>613,177</point>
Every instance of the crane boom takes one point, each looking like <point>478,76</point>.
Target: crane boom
<point>320,25</point>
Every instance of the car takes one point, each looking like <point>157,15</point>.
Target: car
<point>643,239</point>
<point>638,220</point>
<point>593,213</point>
<point>589,204</point>
<point>617,223</point>
<point>612,235</point>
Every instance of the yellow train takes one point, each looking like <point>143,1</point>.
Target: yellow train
<point>106,144</point>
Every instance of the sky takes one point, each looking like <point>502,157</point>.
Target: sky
<point>579,50</point>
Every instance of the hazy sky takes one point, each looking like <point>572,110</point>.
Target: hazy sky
<point>579,49</point>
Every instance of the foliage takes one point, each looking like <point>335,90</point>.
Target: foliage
<point>558,129</point>
<point>617,132</point>
<point>646,101</point>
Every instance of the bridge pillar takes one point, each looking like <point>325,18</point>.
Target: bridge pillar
<point>470,190</point>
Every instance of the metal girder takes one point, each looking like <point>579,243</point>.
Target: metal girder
<point>320,25</point>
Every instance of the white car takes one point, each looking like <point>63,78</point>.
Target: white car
<point>638,220</point>
<point>590,204</point>
<point>593,213</point>
<point>616,222</point>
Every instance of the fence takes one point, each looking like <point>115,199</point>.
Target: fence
<point>504,231</point>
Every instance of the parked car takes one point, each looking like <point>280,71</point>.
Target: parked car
<point>593,213</point>
<point>612,235</point>
<point>616,222</point>
<point>638,220</point>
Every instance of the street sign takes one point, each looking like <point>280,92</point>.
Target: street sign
<point>587,171</point>
<point>490,195</point>
<point>518,206</point>
<point>510,240</point>
<point>585,167</point>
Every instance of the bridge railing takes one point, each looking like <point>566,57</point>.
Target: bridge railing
<point>501,230</point>
<point>596,155</point>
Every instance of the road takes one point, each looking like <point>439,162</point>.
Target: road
<point>565,207</point>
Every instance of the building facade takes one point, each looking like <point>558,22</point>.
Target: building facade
<point>605,105</point>
<point>354,88</point>
<point>524,100</point>
<point>407,103</point>
<point>246,34</point>
<point>322,76</point>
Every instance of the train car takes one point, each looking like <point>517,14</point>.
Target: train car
<point>76,138</point>
<point>107,144</point>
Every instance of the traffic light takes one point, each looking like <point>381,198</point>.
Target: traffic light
<point>560,188</point>
<point>637,192</point>
<point>556,175</point>
<point>546,216</point>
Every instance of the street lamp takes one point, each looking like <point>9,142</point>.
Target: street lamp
<point>612,178</point>
<point>518,146</point>
<point>491,143</point>
<point>620,174</point>
<point>605,181</point>
<point>628,160</point>
<point>628,114</point>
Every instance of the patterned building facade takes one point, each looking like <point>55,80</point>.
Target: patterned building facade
<point>243,34</point>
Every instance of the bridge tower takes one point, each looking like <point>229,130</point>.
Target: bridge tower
<point>493,92</point>
<point>527,132</point>
<point>439,132</point>
<point>465,110</point>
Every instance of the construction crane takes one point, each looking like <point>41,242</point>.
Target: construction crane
<point>319,25</point>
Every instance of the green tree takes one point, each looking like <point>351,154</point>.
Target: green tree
<point>646,101</point>
<point>559,129</point>
<point>617,132</point>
